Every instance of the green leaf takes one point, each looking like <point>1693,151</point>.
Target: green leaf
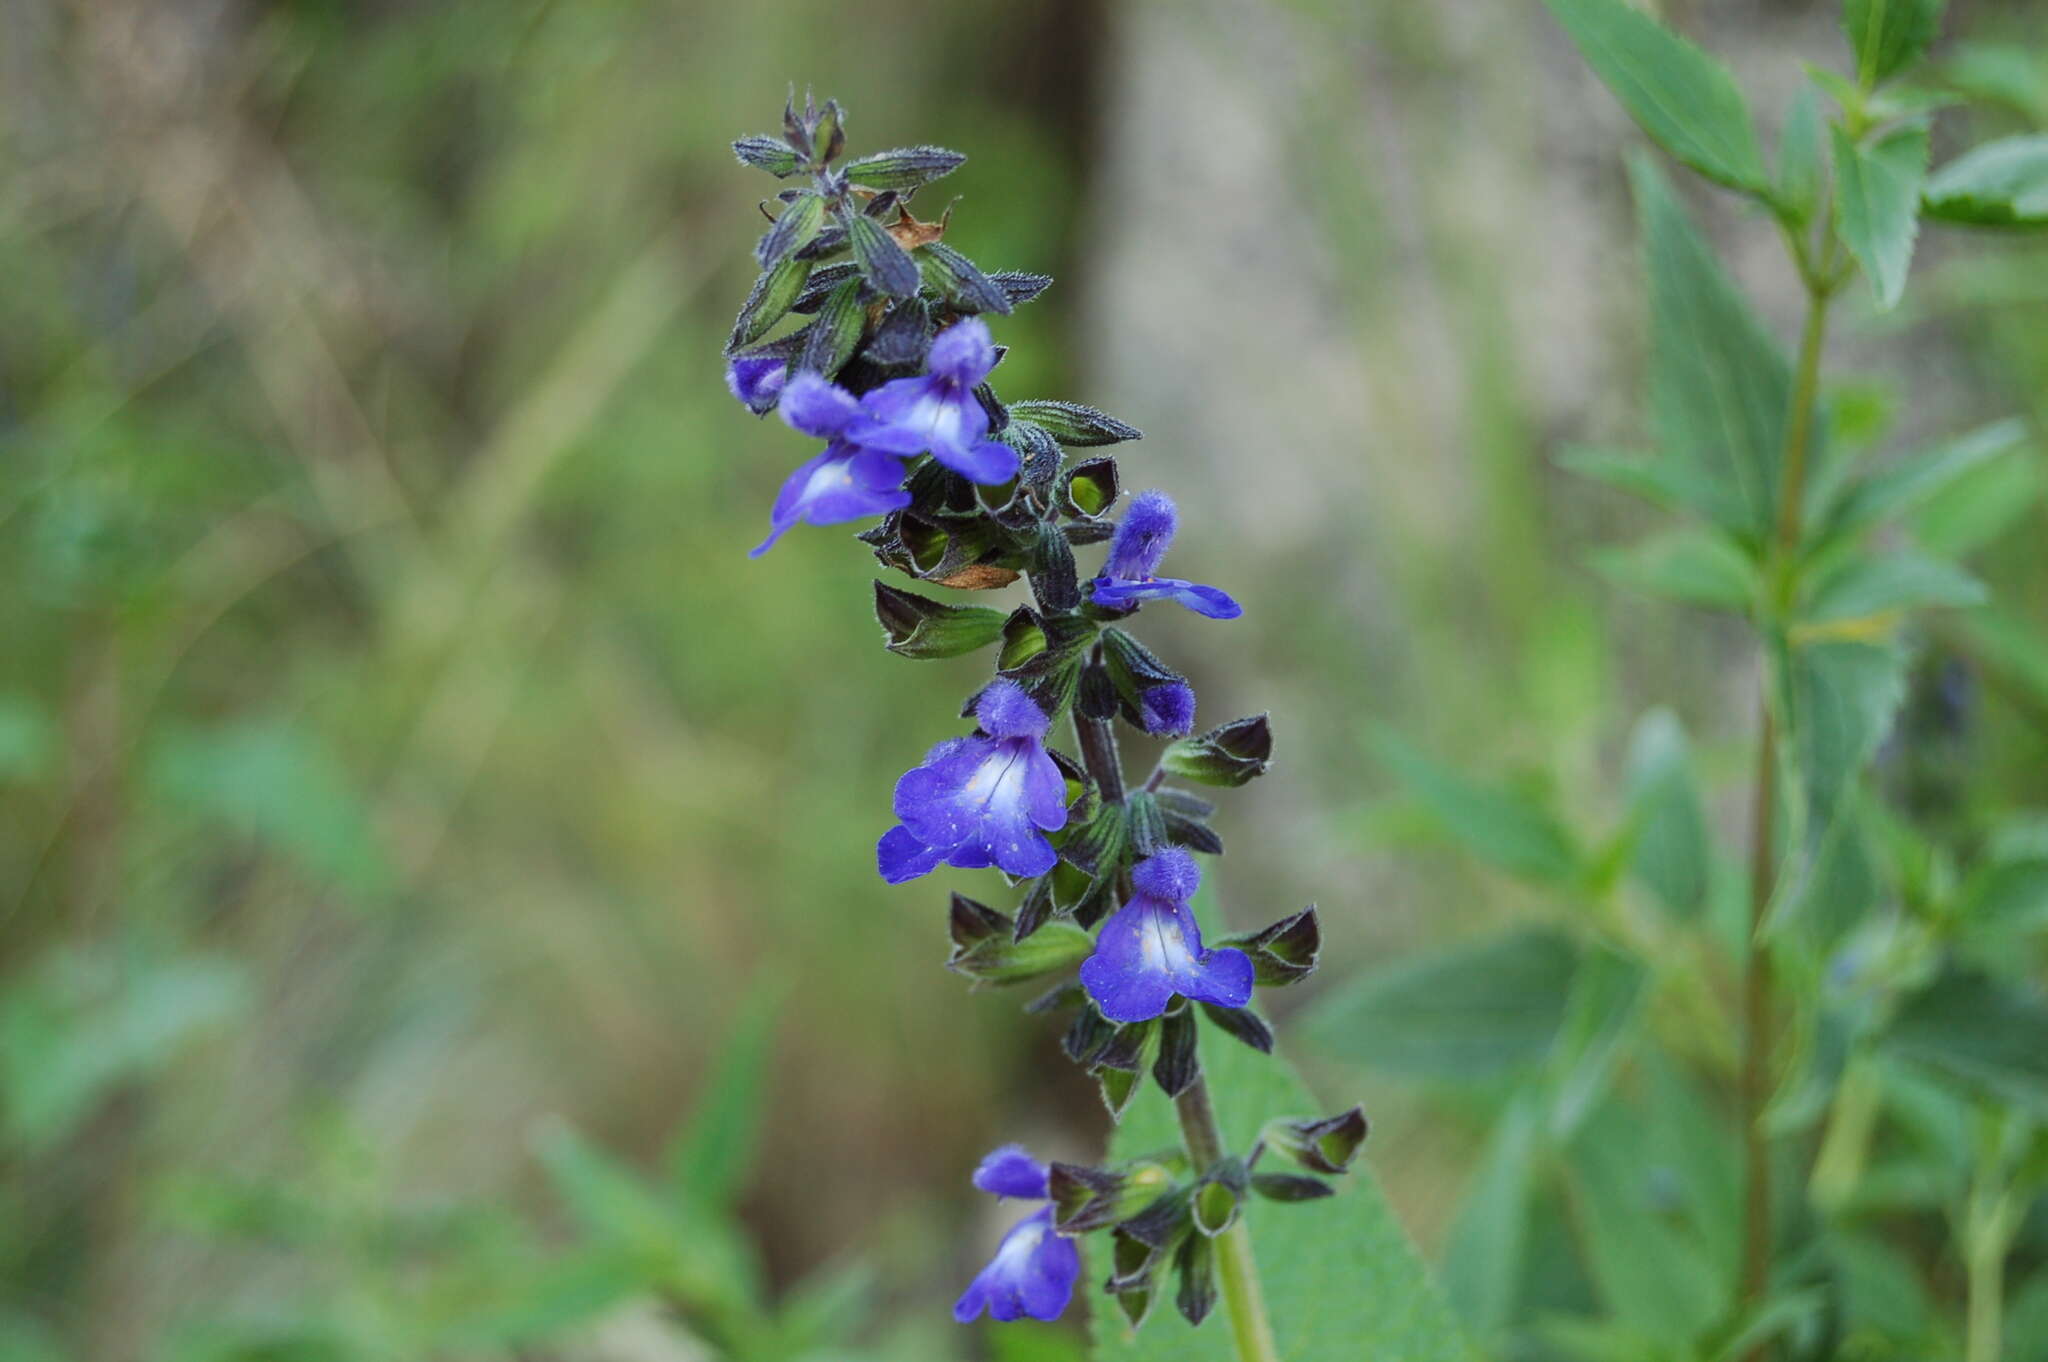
<point>711,1156</point>
<point>1888,35</point>
<point>1466,1012</point>
<point>2003,183</point>
<point>279,785</point>
<point>1981,1030</point>
<point>1862,588</point>
<point>1899,489</point>
<point>769,301</point>
<point>1978,507</point>
<point>1671,853</point>
<point>1877,199</point>
<point>882,262</point>
<point>1641,1189</point>
<point>1801,160</point>
<point>1684,99</point>
<point>1698,567</point>
<point>1341,1280</point>
<point>1663,480</point>
<point>1720,387</point>
<point>1842,697</point>
<point>1609,992</point>
<point>1073,423</point>
<point>1485,1253</point>
<point>1498,826</point>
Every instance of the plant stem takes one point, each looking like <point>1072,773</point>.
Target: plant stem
<point>1244,1301</point>
<point>1758,1005</point>
<point>1237,1274</point>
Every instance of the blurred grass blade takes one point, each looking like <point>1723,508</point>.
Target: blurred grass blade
<point>1500,827</point>
<point>713,1154</point>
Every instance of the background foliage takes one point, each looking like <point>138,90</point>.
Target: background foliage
<point>431,847</point>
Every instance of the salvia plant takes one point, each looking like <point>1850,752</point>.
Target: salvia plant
<point>1787,1102</point>
<point>959,488</point>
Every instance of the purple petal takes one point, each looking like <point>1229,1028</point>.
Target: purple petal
<point>900,857</point>
<point>824,491</point>
<point>1152,949</point>
<point>985,461</point>
<point>1005,710</point>
<point>1033,1273</point>
<point>817,406</point>
<point>1207,600</point>
<point>963,353</point>
<point>1011,1171</point>
<point>1170,874</point>
<point>1045,793</point>
<point>1168,710</point>
<point>756,380</point>
<point>1142,536</point>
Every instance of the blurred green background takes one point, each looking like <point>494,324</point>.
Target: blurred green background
<point>403,765</point>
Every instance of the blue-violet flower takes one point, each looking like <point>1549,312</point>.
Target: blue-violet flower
<point>1035,1268</point>
<point>1141,540</point>
<point>982,800</point>
<point>1152,948</point>
<point>938,413</point>
<point>848,480</point>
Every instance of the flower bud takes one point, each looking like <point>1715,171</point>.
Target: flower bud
<point>1218,1195</point>
<point>919,627</point>
<point>1085,1199</point>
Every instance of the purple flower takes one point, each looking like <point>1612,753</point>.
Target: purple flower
<point>1035,1268</point>
<point>1141,541</point>
<point>847,481</point>
<point>1152,948</point>
<point>937,412</point>
<point>756,380</point>
<point>983,800</point>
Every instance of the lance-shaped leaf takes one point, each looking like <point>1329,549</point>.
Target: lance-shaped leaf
<point>1801,159</point>
<point>1877,203</point>
<point>1720,386</point>
<point>917,626</point>
<point>1499,826</point>
<point>1841,699</point>
<point>2003,183</point>
<point>1985,1031</point>
<point>883,263</point>
<point>1284,953</point>
<point>793,230</point>
<point>1231,755</point>
<point>1894,491</point>
<point>771,154</point>
<point>1888,35</point>
<point>1325,1144</point>
<point>960,281</point>
<point>1671,851</point>
<point>1470,1011</point>
<point>1867,588</point>
<point>1687,563</point>
<point>903,168</point>
<point>836,334</point>
<point>1073,424</point>
<point>1684,99</point>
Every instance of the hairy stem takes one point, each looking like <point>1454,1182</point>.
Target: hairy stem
<point>1244,1301</point>
<point>1758,1004</point>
